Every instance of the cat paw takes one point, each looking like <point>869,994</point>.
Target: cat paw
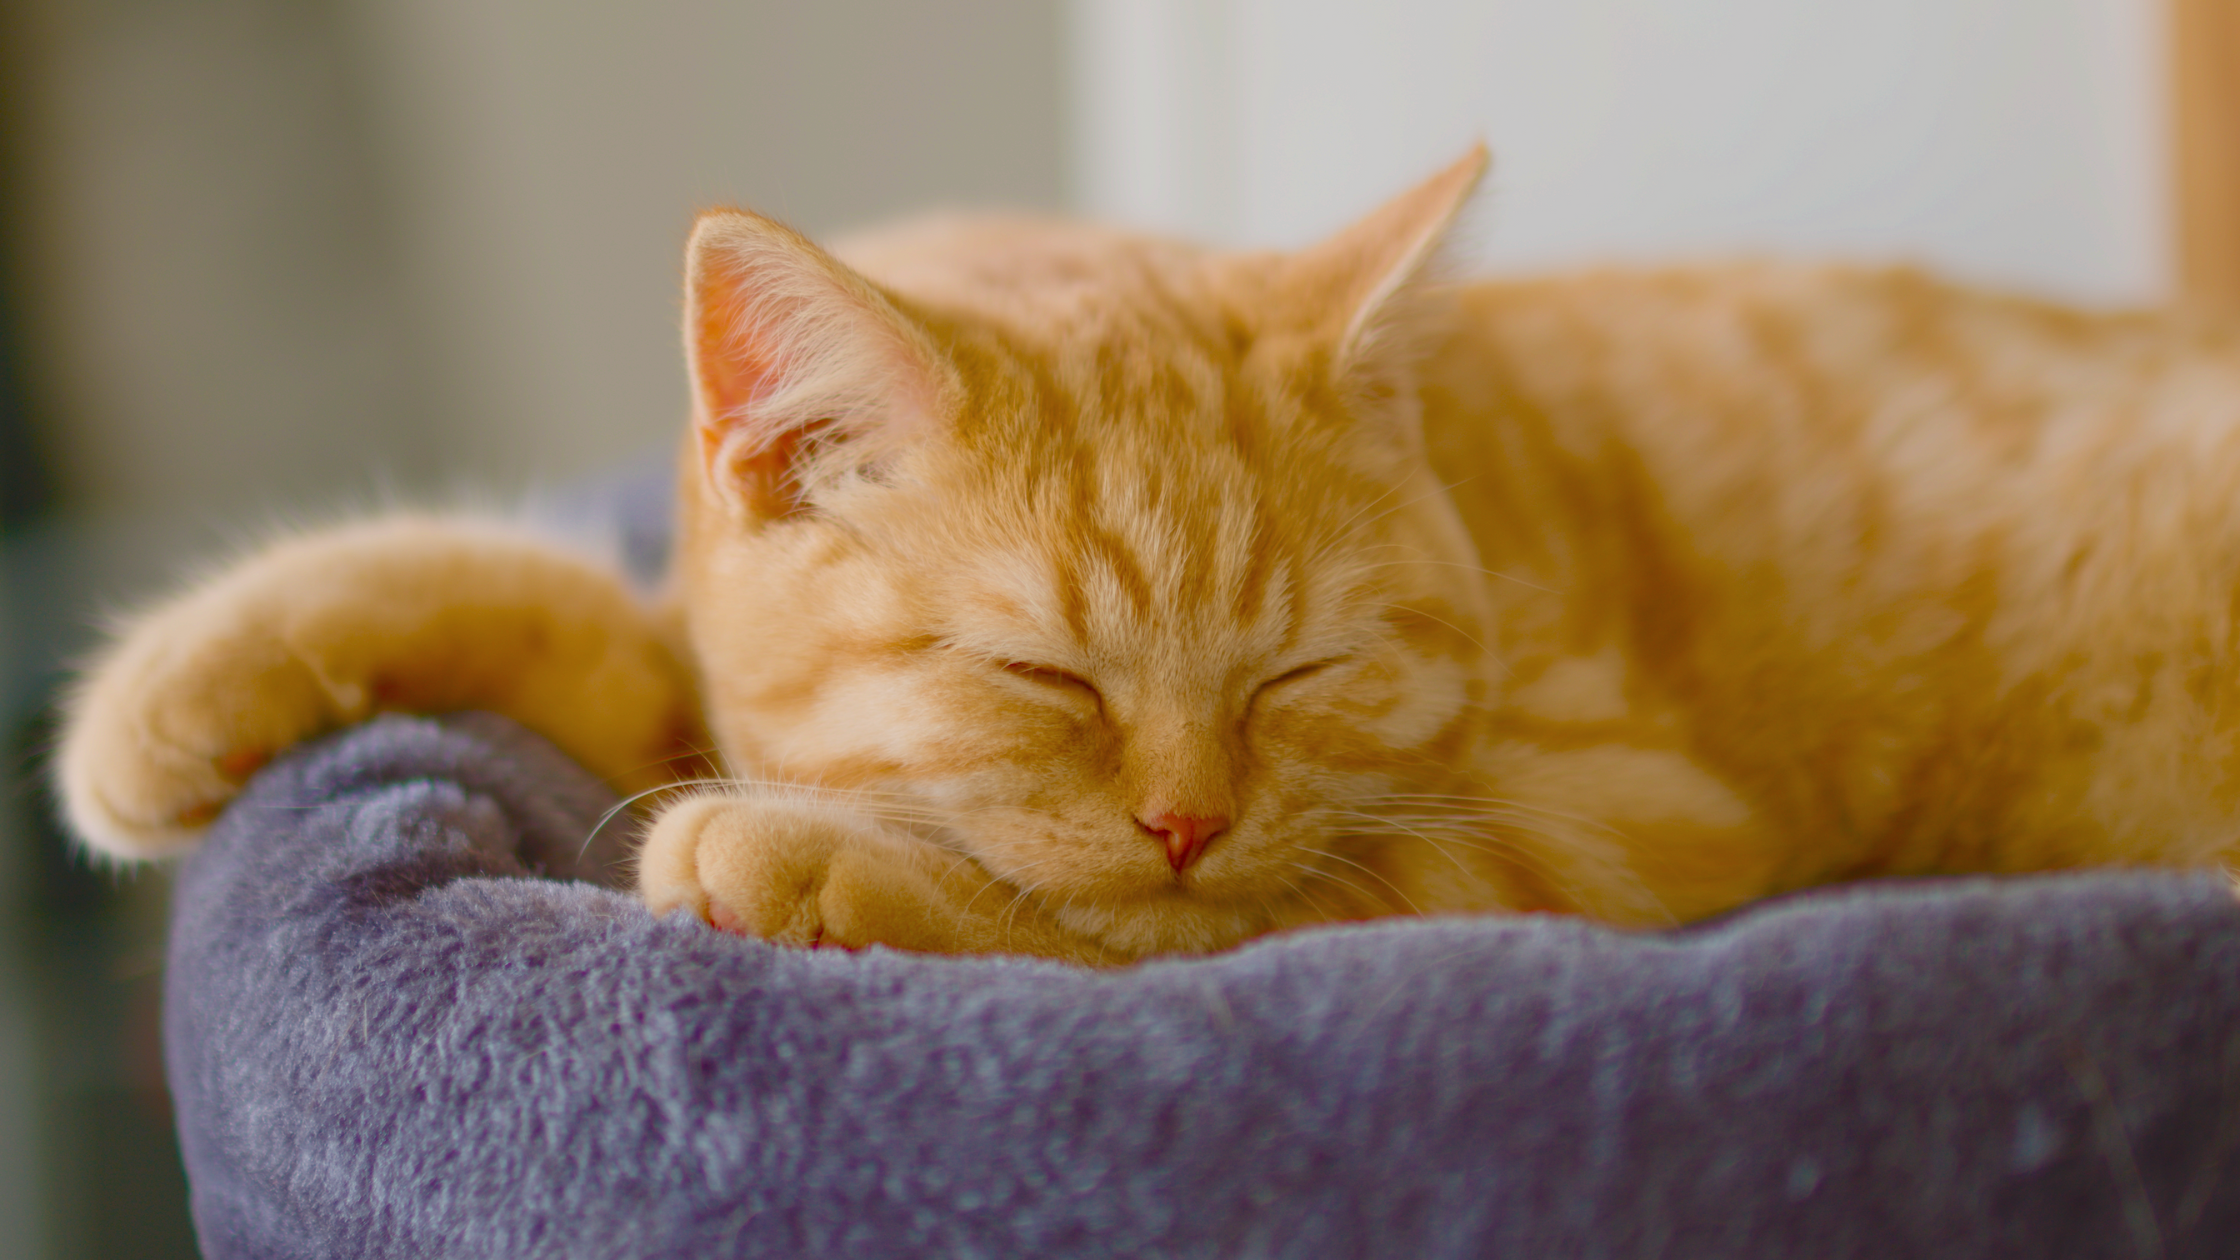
<point>405,614</point>
<point>804,873</point>
<point>170,726</point>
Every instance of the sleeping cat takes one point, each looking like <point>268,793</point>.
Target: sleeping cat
<point>1055,590</point>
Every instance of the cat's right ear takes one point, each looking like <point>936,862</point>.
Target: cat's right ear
<point>797,363</point>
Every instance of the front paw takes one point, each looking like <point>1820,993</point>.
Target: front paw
<point>800,872</point>
<point>409,614</point>
<point>182,713</point>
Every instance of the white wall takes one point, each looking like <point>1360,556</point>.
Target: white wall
<point>2017,141</point>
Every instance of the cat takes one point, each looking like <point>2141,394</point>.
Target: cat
<point>1059,591</point>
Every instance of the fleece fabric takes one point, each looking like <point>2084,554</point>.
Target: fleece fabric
<point>409,1016</point>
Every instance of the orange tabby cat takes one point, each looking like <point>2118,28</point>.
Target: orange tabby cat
<point>1060,591</point>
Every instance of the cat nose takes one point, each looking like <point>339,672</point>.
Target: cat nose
<point>1185,835</point>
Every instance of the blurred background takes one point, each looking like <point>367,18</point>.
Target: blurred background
<point>264,260</point>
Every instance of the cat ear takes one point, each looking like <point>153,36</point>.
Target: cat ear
<point>796,361</point>
<point>1365,277</point>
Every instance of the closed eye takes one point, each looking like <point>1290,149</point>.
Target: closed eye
<point>1307,670</point>
<point>1052,676</point>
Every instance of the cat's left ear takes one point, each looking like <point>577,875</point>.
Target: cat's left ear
<point>799,365</point>
<point>1366,280</point>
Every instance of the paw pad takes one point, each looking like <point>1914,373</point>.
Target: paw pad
<point>239,764</point>
<point>200,815</point>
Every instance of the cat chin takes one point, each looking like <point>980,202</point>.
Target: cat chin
<point>1171,922</point>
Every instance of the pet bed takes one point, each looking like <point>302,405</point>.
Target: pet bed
<point>409,1015</point>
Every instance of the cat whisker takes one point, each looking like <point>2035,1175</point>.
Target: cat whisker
<point>1344,527</point>
<point>1501,803</point>
<point>1531,857</point>
<point>1440,492</point>
<point>1410,831</point>
<point>1013,881</point>
<point>1010,915</point>
<point>1456,564</point>
<point>1334,878</point>
<point>1397,891</point>
<point>632,799</point>
<point>1467,637</point>
<point>1301,895</point>
<point>692,752</point>
<point>1566,879</point>
<point>1475,821</point>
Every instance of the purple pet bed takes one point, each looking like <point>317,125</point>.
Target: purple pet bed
<point>408,1015</point>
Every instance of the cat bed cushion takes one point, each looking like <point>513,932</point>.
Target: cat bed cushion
<point>409,1015</point>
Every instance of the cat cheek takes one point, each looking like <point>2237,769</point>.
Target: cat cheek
<point>1422,718</point>
<point>1413,704</point>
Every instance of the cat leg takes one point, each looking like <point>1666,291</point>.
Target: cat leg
<point>413,614</point>
<point>804,872</point>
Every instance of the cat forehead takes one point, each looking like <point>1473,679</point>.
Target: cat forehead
<point>1122,465</point>
<point>1050,284</point>
<point>1064,328</point>
<point>1161,458</point>
<point>1130,551</point>
<point>1141,590</point>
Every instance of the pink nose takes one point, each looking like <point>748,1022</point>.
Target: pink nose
<point>1184,835</point>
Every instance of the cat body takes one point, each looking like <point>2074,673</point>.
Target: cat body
<point>1815,573</point>
<point>1052,590</point>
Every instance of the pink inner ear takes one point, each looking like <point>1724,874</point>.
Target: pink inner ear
<point>737,368</point>
<point>735,364</point>
<point>790,355</point>
<point>765,476</point>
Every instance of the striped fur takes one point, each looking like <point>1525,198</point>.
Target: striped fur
<point>1635,594</point>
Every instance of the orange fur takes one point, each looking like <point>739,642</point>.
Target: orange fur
<point>406,613</point>
<point>1636,594</point>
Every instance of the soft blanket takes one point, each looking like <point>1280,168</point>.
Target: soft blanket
<point>407,1017</point>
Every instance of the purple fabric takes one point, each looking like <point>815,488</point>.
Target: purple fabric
<point>389,1037</point>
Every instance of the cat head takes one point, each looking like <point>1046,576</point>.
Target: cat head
<point>1113,563</point>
